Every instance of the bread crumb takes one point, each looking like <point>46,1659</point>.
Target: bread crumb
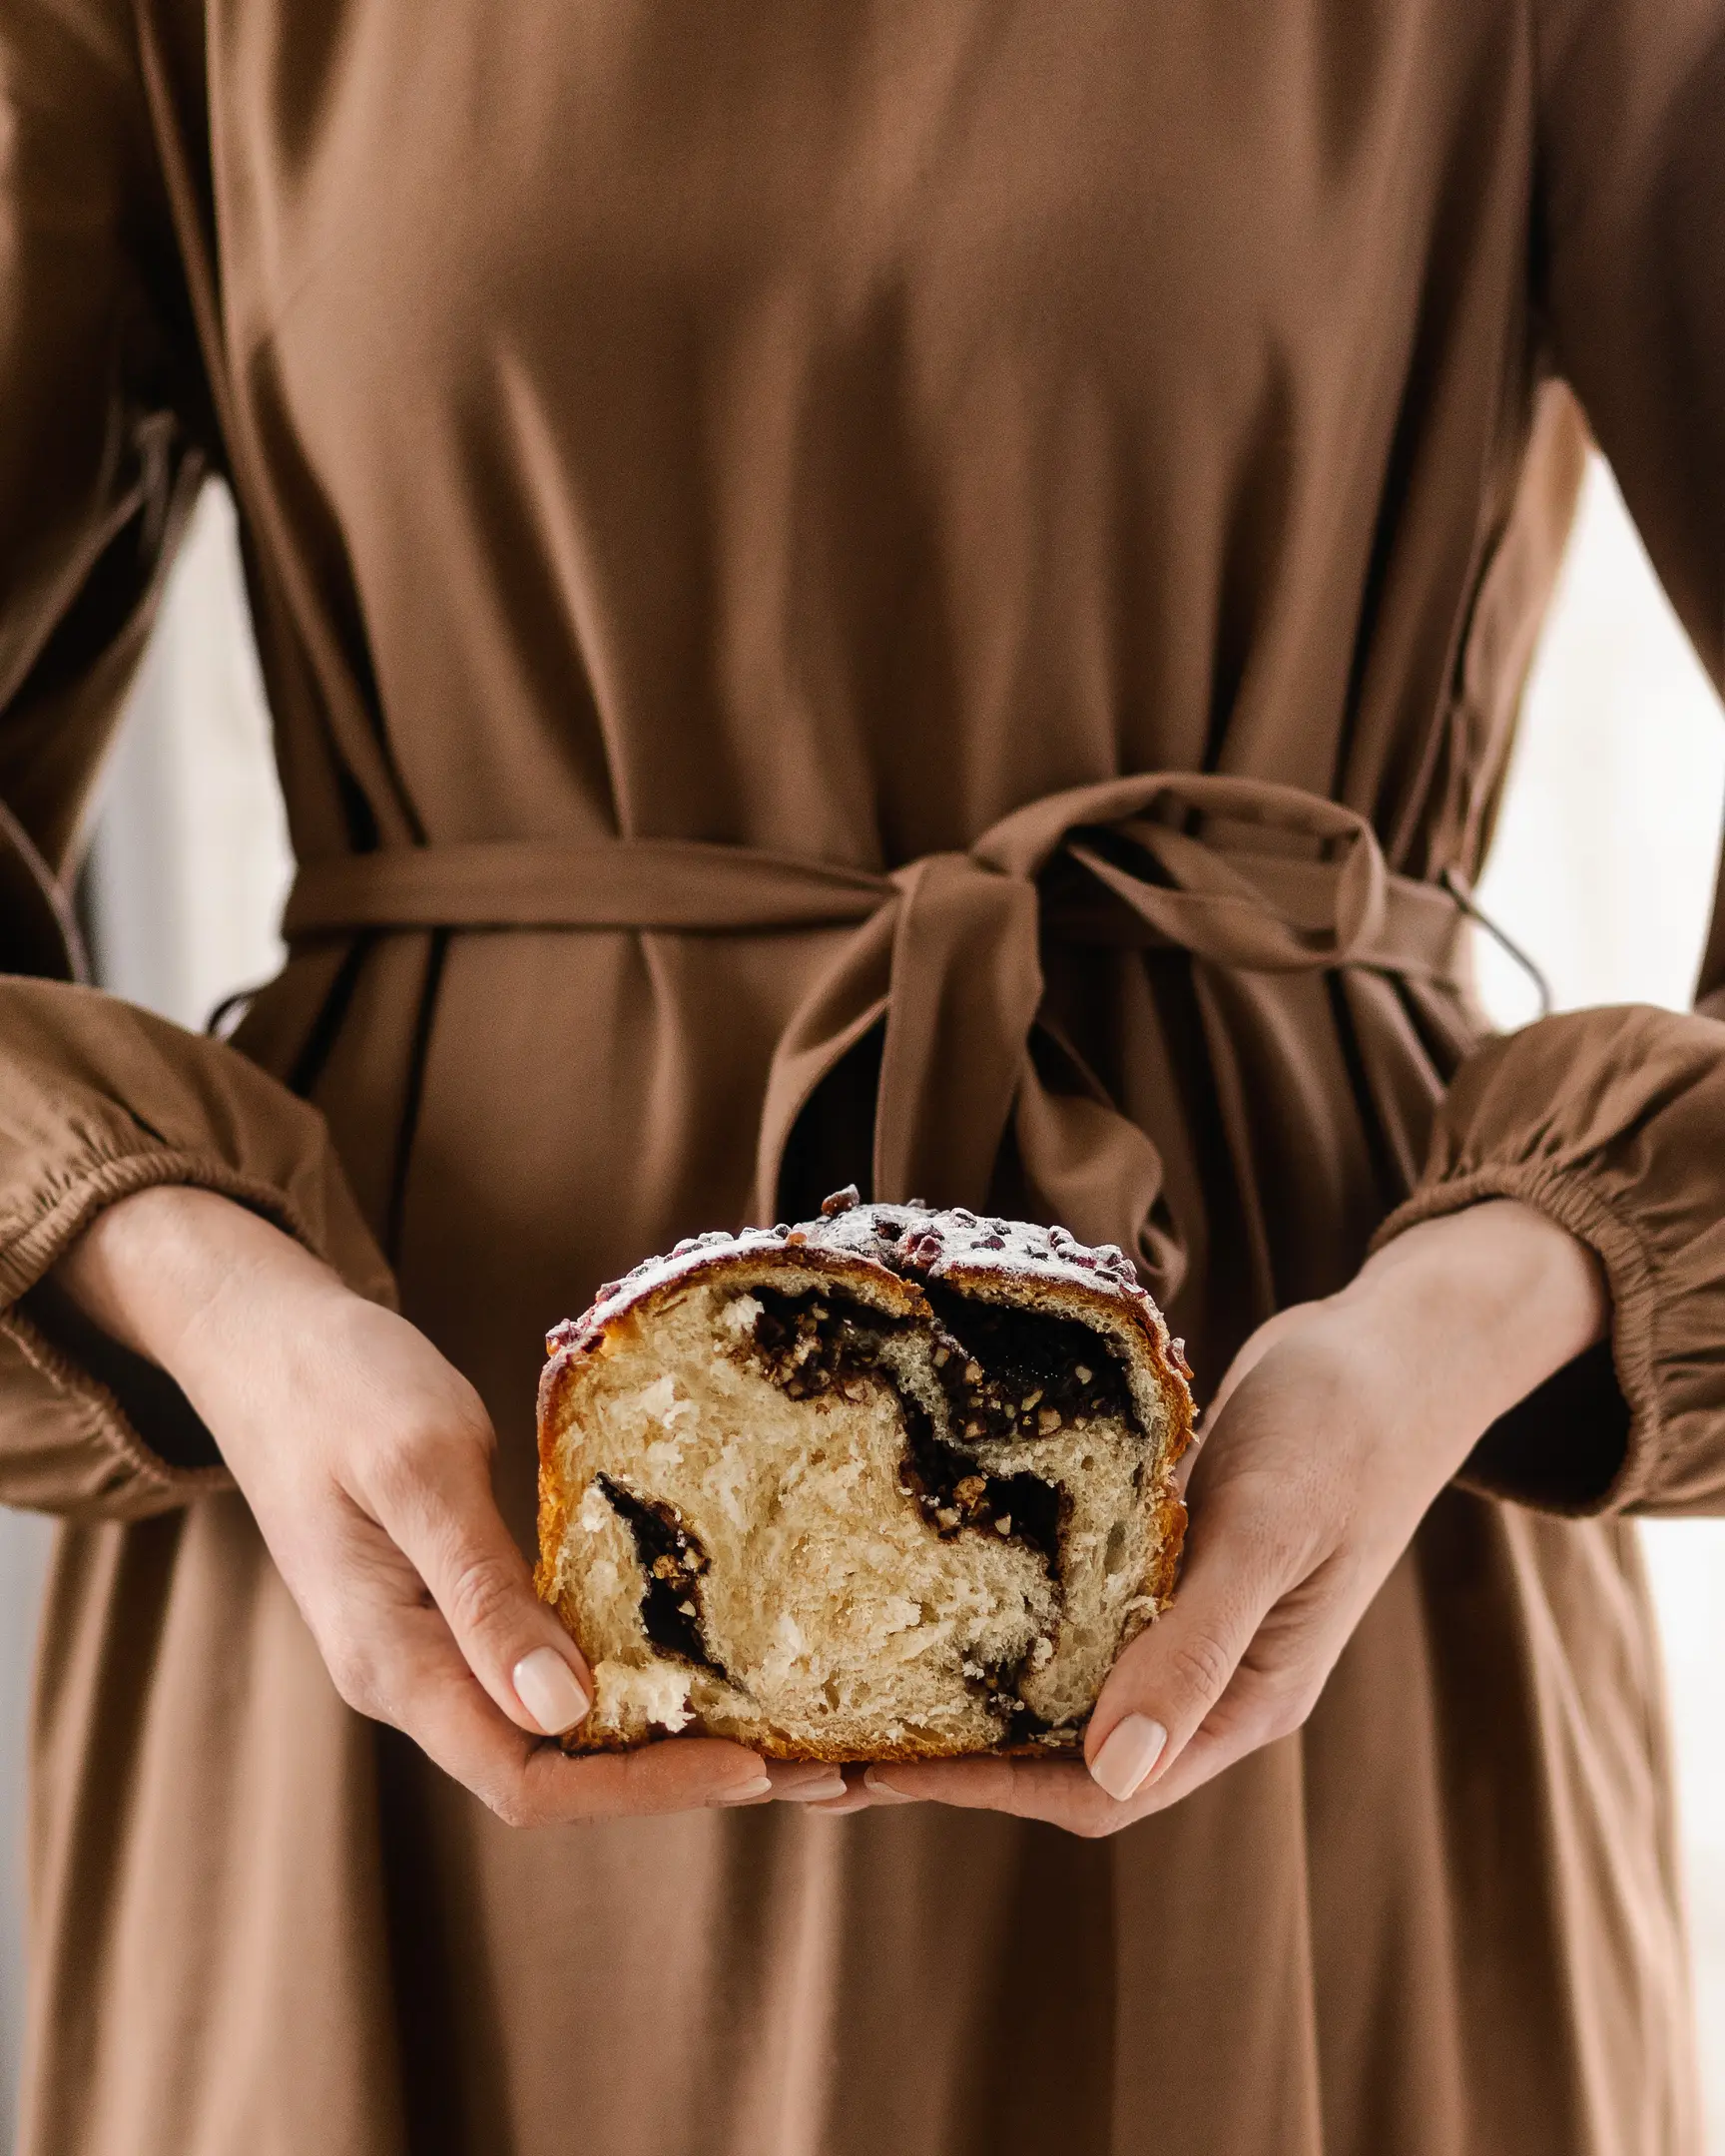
<point>659,1695</point>
<point>738,1314</point>
<point>659,1403</point>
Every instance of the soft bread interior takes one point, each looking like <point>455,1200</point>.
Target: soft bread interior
<point>797,1517</point>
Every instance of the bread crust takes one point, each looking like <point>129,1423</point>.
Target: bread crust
<point>1008,1262</point>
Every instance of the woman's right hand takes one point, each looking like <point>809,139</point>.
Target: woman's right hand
<point>365,1459</point>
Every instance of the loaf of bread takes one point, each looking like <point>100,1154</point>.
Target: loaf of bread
<point>893,1483</point>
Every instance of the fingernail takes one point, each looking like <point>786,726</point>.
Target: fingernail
<point>1128,1752</point>
<point>549,1690</point>
<point>820,1791</point>
<point>885,1793</point>
<point>746,1792</point>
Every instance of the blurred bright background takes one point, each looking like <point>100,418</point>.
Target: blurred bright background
<point>1602,869</point>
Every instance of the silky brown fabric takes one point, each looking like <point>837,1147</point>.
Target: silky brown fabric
<point>850,437</point>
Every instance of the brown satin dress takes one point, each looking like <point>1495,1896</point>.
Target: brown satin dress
<point>927,593</point>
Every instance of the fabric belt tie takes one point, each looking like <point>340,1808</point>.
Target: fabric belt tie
<point>947,950</point>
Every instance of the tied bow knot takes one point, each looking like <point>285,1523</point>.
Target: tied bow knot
<point>953,963</point>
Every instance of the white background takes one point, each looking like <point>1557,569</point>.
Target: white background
<point>1602,868</point>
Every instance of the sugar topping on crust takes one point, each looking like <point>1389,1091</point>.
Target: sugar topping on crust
<point>908,1240</point>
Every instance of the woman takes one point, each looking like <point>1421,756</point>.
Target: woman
<point>929,590</point>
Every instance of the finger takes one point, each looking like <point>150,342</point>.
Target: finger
<point>1225,1738</point>
<point>800,1782</point>
<point>400,1664</point>
<point>856,1796</point>
<point>1062,1795</point>
<point>1173,1675</point>
<point>804,1781</point>
<point>432,1497</point>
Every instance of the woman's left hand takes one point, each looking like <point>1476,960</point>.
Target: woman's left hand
<point>1335,1429</point>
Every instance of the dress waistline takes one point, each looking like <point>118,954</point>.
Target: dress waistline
<point>947,950</point>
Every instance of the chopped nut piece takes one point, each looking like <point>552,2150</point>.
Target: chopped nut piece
<point>974,1429</point>
<point>688,1608</point>
<point>1082,1374</point>
<point>1003,1525</point>
<point>973,1374</point>
<point>1030,1399</point>
<point>971,1490</point>
<point>1048,1422</point>
<point>947,1516</point>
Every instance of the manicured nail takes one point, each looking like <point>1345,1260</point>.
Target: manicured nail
<point>821,1790</point>
<point>883,1792</point>
<point>746,1792</point>
<point>1128,1752</point>
<point>549,1690</point>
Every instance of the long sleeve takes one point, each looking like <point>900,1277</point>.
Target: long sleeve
<point>100,458</point>
<point>1613,1121</point>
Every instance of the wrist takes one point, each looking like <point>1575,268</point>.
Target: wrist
<point>1498,1294</point>
<point>153,1266</point>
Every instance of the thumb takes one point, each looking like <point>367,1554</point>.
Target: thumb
<point>1169,1680</point>
<point>446,1523</point>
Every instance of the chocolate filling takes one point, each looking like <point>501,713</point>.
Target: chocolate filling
<point>1024,1373</point>
<point>673,1560</point>
<point>816,1343</point>
<point>813,1343</point>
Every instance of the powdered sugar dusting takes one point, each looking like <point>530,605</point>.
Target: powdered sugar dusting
<point>908,1240</point>
<point>917,1238</point>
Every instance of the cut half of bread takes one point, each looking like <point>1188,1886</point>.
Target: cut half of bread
<point>896,1484</point>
